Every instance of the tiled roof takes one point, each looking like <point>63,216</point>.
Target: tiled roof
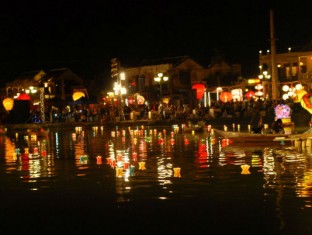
<point>165,60</point>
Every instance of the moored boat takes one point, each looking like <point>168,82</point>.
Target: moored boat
<point>248,136</point>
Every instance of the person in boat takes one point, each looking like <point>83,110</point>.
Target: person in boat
<point>277,127</point>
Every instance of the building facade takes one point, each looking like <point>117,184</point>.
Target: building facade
<point>292,68</point>
<point>183,72</point>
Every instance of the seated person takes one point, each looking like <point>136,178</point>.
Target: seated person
<point>277,127</point>
<point>257,129</point>
<point>256,124</point>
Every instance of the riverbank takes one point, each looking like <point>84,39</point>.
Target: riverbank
<point>300,124</point>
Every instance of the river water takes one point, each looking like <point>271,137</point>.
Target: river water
<point>144,179</point>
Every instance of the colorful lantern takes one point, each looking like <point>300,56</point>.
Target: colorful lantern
<point>299,95</point>
<point>77,95</point>
<point>140,99</point>
<point>200,90</point>
<point>226,96</point>
<point>23,96</point>
<point>249,94</point>
<point>306,102</point>
<point>177,172</point>
<point>142,166</point>
<point>8,104</point>
<point>245,169</point>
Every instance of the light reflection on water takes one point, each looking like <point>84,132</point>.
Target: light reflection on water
<point>139,164</point>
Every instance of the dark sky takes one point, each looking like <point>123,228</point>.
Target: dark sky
<point>85,35</point>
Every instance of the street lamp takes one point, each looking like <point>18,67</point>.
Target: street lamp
<point>120,90</point>
<point>160,79</point>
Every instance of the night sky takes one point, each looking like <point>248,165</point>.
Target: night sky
<point>85,35</point>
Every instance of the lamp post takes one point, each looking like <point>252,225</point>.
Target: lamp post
<point>265,77</point>
<point>160,79</point>
<point>120,90</point>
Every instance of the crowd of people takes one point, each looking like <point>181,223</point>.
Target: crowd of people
<point>254,112</point>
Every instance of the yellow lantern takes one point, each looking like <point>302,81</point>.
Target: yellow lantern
<point>142,166</point>
<point>8,104</point>
<point>299,95</point>
<point>245,169</point>
<point>177,172</point>
<point>77,95</point>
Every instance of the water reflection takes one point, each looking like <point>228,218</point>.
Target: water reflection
<point>141,163</point>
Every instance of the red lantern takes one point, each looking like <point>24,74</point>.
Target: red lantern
<point>200,89</point>
<point>23,96</point>
<point>226,96</point>
<point>249,94</point>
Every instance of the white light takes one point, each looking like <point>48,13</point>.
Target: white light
<point>157,79</point>
<point>122,76</point>
<point>298,87</point>
<point>285,96</point>
<point>123,90</point>
<point>285,88</point>
<point>259,87</point>
<point>259,93</point>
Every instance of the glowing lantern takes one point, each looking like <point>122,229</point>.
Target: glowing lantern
<point>226,96</point>
<point>245,169</point>
<point>77,95</point>
<point>142,166</point>
<point>249,94</point>
<point>200,89</point>
<point>99,160</point>
<point>119,171</point>
<point>299,95</point>
<point>177,172</point>
<point>8,104</point>
<point>140,99</point>
<point>132,172</point>
<point>23,96</point>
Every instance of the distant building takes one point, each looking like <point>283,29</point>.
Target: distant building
<point>292,67</point>
<point>58,84</point>
<point>183,72</point>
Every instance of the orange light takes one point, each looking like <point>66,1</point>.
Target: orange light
<point>8,104</point>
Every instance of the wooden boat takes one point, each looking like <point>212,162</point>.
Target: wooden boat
<point>249,137</point>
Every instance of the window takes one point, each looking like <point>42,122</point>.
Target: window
<point>185,77</point>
